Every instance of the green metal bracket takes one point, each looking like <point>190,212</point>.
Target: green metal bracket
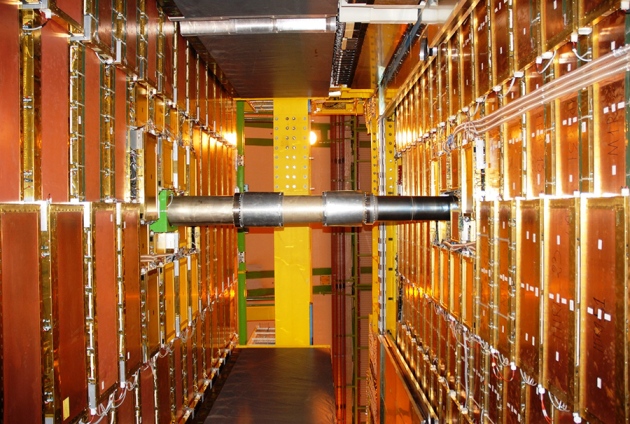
<point>162,225</point>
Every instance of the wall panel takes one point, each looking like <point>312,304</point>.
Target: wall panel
<point>21,298</point>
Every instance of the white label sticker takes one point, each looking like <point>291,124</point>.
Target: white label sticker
<point>557,356</point>
<point>605,110</point>
<point>600,244</point>
<point>571,305</point>
<point>589,310</point>
<point>614,170</point>
<point>599,314</point>
<point>607,317</point>
<point>533,341</point>
<point>526,336</point>
<point>534,237</point>
<point>564,301</point>
<point>558,239</point>
<point>599,383</point>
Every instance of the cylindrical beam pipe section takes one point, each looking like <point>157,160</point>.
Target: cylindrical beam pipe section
<point>333,208</point>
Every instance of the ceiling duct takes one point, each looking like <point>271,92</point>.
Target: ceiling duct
<point>251,26</point>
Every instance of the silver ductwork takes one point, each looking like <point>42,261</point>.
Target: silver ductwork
<point>250,26</point>
<point>333,208</point>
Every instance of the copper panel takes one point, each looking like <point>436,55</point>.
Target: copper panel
<point>131,270</point>
<point>105,23</point>
<point>152,35</point>
<point>120,128</point>
<point>525,32</point>
<point>494,164</point>
<point>454,74</point>
<point>478,380</point>
<point>454,167</point>
<point>163,388</point>
<point>55,113</point>
<point>126,412</point>
<point>468,284</point>
<point>514,159</point>
<point>590,9</point>
<point>558,21</point>
<point>190,371</point>
<point>142,105</point>
<point>131,35</point>
<point>194,283</point>
<point>610,136</point>
<point>609,33</point>
<point>151,179</point>
<point>166,163</point>
<point>21,328</point>
<point>528,287</point>
<point>203,94</point>
<point>178,386</point>
<point>168,29</point>
<point>199,352</point>
<point>434,98</point>
<point>482,43</point>
<point>603,328</point>
<point>168,273</point>
<point>193,95</point>
<point>536,152</point>
<point>443,182</point>
<point>567,145</point>
<point>182,46</point>
<point>434,290</point>
<point>104,239</point>
<point>147,399</point>
<point>92,129</point>
<point>467,80</point>
<point>443,83</point>
<point>504,282</point>
<point>534,403</point>
<point>484,292</point>
<point>153,310</point>
<point>445,279</point>
<point>208,341</point>
<point>456,284</point>
<point>504,311</point>
<point>494,395</point>
<point>501,40</point>
<point>72,8</point>
<point>560,301</point>
<point>182,292</point>
<point>182,177</point>
<point>10,104</point>
<point>512,397</point>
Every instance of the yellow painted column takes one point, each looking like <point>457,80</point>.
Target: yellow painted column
<point>389,237</point>
<point>292,246</point>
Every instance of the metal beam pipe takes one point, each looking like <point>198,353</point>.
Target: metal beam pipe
<point>333,208</point>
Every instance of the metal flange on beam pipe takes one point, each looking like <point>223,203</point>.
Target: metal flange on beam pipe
<point>333,208</point>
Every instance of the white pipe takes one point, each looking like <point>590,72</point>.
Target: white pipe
<point>237,26</point>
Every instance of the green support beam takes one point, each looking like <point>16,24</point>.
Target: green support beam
<point>240,182</point>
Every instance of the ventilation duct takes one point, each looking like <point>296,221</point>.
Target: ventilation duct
<point>250,26</point>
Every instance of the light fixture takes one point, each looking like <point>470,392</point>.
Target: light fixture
<point>313,137</point>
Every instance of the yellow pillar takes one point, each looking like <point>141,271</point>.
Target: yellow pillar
<point>292,246</point>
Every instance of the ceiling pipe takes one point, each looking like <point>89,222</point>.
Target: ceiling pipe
<point>235,26</point>
<point>333,208</point>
